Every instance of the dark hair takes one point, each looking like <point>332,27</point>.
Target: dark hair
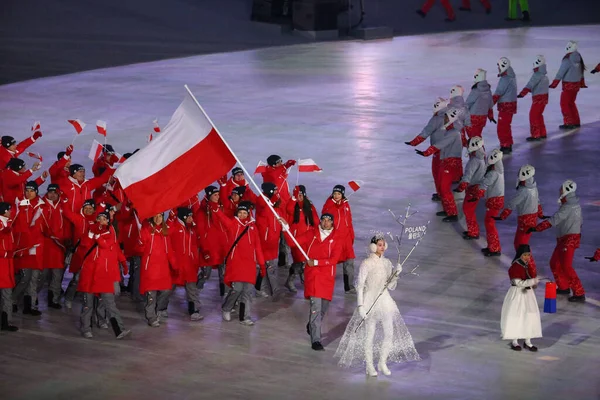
<point>307,210</point>
<point>524,248</point>
<point>164,229</point>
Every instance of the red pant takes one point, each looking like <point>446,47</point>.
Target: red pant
<point>469,208</point>
<point>504,128</point>
<point>445,3</point>
<point>524,222</point>
<point>477,124</point>
<point>537,126</point>
<point>493,206</point>
<point>448,173</point>
<point>561,264</point>
<point>568,106</point>
<point>467,4</point>
<point>435,171</point>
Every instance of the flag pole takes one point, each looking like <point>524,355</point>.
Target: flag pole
<point>244,169</point>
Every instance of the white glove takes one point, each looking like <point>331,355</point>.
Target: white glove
<point>362,312</point>
<point>398,269</point>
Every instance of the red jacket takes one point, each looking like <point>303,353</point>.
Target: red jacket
<point>183,240</point>
<point>278,176</point>
<point>301,226</point>
<point>241,264</point>
<point>227,188</point>
<point>213,238</point>
<point>6,155</point>
<point>82,242</point>
<point>129,231</point>
<point>342,220</point>
<point>27,229</point>
<point>319,280</point>
<point>78,192</point>
<point>13,184</point>
<point>58,173</point>
<point>7,269</point>
<point>518,271</point>
<point>158,255</point>
<point>100,268</point>
<point>54,236</point>
<point>269,229</point>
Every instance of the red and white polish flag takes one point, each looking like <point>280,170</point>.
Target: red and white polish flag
<point>260,167</point>
<point>156,127</point>
<point>355,185</point>
<point>101,127</point>
<point>36,126</point>
<point>187,156</point>
<point>35,155</point>
<point>96,151</point>
<point>78,124</point>
<point>308,165</point>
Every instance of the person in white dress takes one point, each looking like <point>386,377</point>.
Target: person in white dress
<point>520,312</point>
<point>383,332</point>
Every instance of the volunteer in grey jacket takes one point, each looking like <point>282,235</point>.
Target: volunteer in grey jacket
<point>567,221</point>
<point>506,97</point>
<point>472,177</point>
<point>492,187</point>
<point>434,130</point>
<point>450,149</point>
<point>571,74</point>
<point>538,86</point>
<point>480,104</point>
<point>527,205</point>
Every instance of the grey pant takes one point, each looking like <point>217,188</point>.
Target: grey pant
<point>270,284</point>
<point>156,300</point>
<point>318,308</point>
<point>191,294</point>
<point>348,267</point>
<point>55,276</point>
<point>296,268</point>
<point>6,300</point>
<point>109,307</point>
<point>284,250</point>
<point>27,284</point>
<point>102,315</point>
<point>72,288</point>
<point>242,292</point>
<point>204,274</point>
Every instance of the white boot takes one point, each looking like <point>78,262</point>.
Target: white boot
<point>383,368</point>
<point>371,370</point>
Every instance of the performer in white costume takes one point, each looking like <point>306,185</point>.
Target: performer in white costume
<point>383,332</point>
<point>520,312</point>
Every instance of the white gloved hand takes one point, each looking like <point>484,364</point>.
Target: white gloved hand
<point>362,312</point>
<point>398,269</point>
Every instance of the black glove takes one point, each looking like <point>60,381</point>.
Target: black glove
<point>520,96</point>
<point>407,143</point>
<point>457,191</point>
<point>590,258</point>
<point>419,152</point>
<point>473,199</point>
<point>493,120</point>
<point>593,72</point>
<point>531,230</point>
<point>497,218</point>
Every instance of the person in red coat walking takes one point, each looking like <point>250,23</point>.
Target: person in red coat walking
<point>55,246</point>
<point>445,3</point>
<point>338,206</point>
<point>324,246</point>
<point>269,232</point>
<point>237,180</point>
<point>15,176</point>
<point>100,277</point>
<point>158,263</point>
<point>302,217</point>
<point>183,239</point>
<point>81,222</point>
<point>466,6</point>
<point>129,237</point>
<point>78,189</point>
<point>10,148</point>
<point>230,204</point>
<point>212,238</point>
<point>7,270</point>
<point>29,243</point>
<point>240,262</point>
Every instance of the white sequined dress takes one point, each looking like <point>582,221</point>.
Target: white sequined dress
<point>384,334</point>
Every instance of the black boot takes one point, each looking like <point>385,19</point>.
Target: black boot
<point>450,218</point>
<point>526,17</point>
<point>242,311</point>
<point>222,289</point>
<point>317,346</point>
<point>15,308</point>
<point>346,283</point>
<point>441,214</point>
<point>577,299</point>
<point>51,303</point>
<point>561,291</point>
<point>120,334</point>
<point>191,307</point>
<point>27,307</point>
<point>5,325</point>
<point>489,253</point>
<point>435,197</point>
